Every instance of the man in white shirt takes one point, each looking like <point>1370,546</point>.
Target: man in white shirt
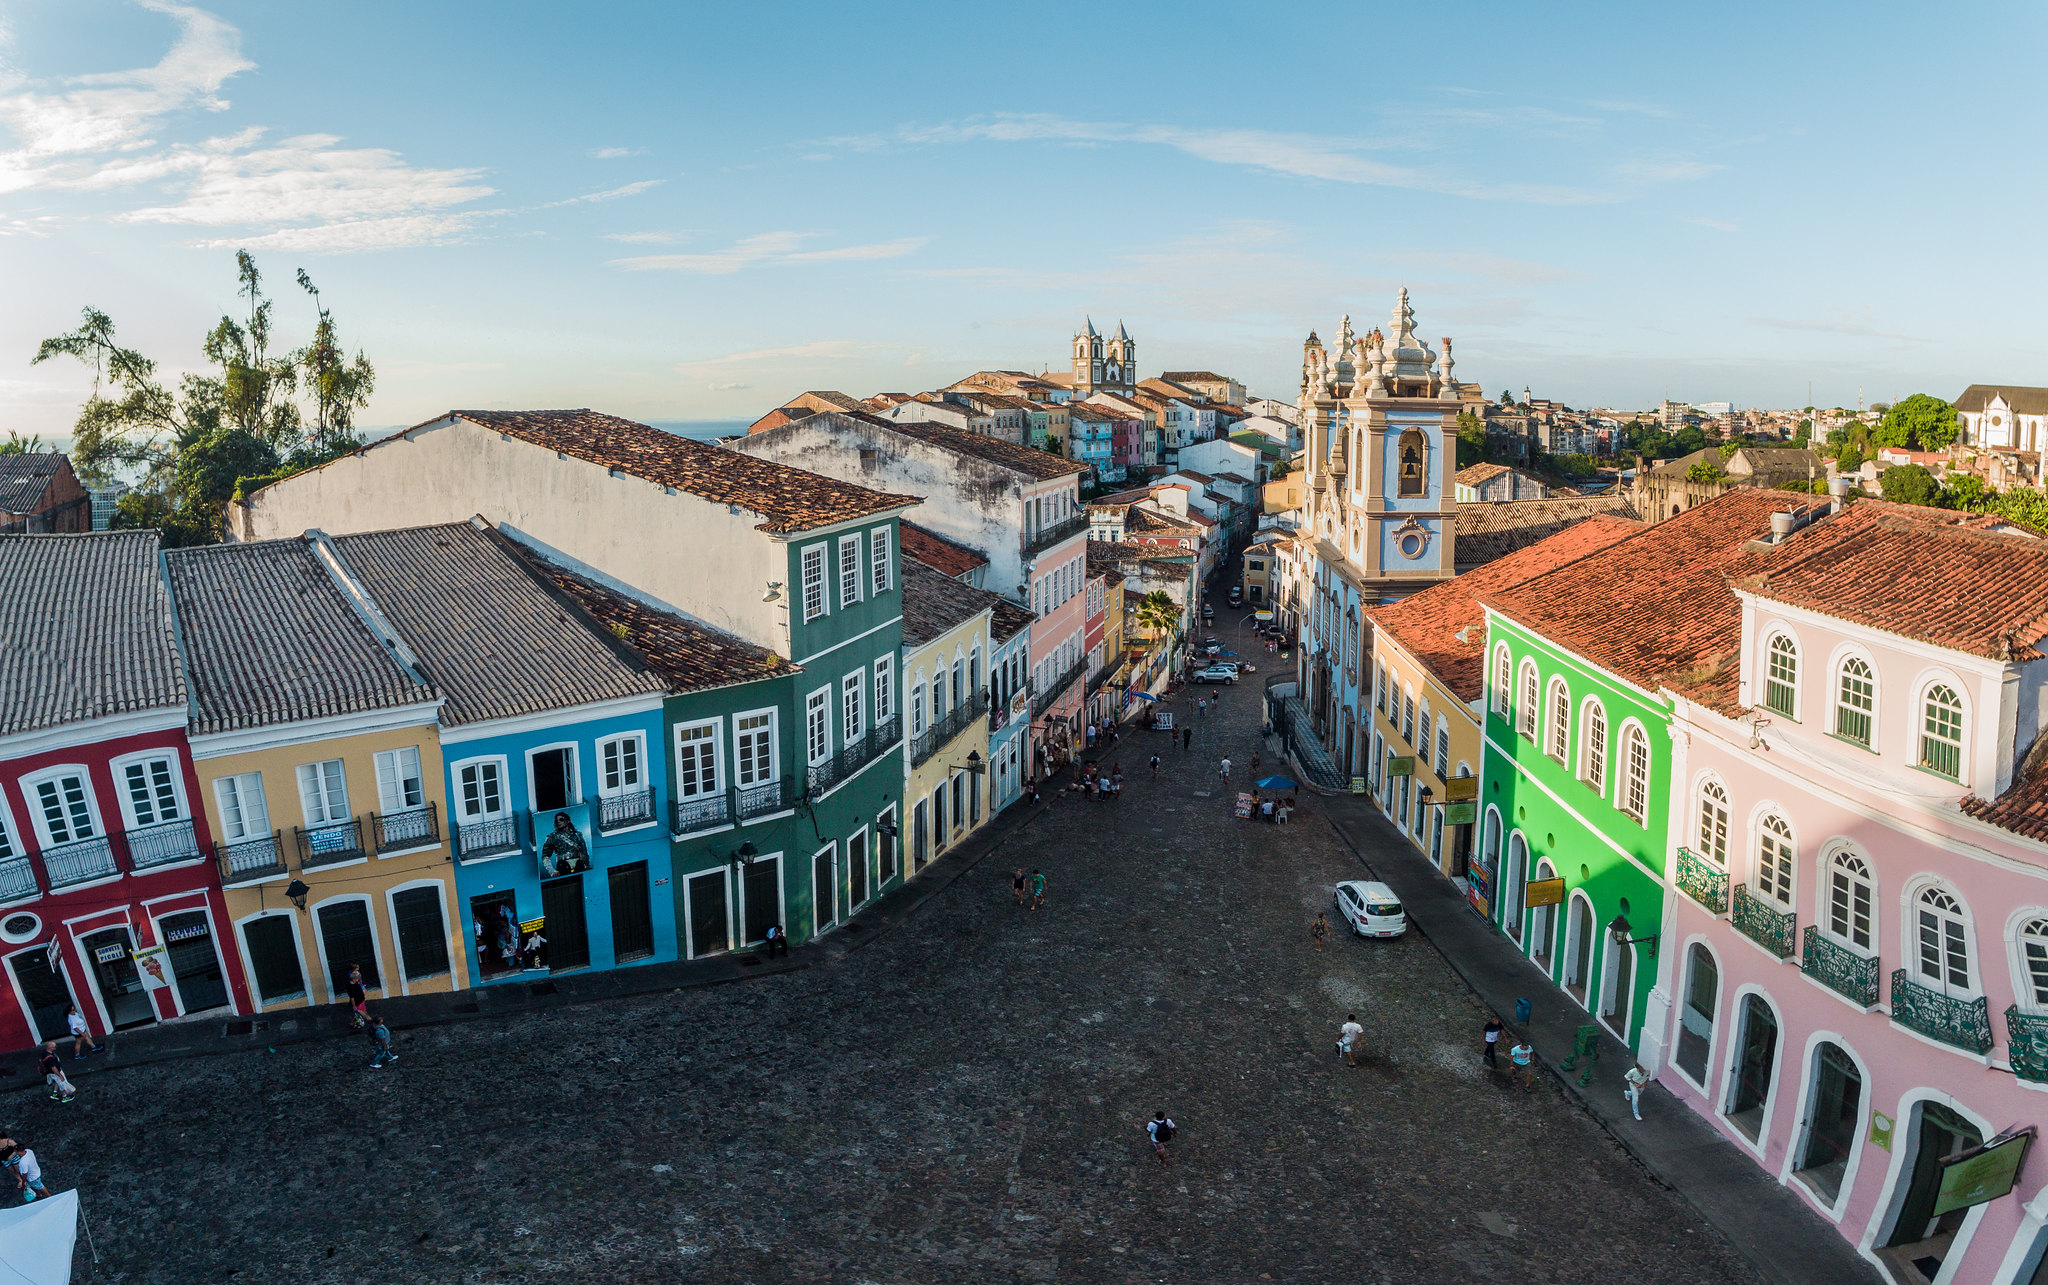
<point>28,1175</point>
<point>1349,1038</point>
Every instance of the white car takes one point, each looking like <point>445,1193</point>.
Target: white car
<point>1371,909</point>
<point>1217,674</point>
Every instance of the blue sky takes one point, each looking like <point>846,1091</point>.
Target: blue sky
<point>694,211</point>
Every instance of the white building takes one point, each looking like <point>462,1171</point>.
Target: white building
<point>2004,415</point>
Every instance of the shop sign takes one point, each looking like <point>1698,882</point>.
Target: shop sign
<point>1461,789</point>
<point>1543,892</point>
<point>1163,720</point>
<point>187,933</point>
<point>1982,1174</point>
<point>1243,807</point>
<point>108,954</point>
<point>153,968</point>
<point>1479,890</point>
<point>1401,765</point>
<point>1358,785</point>
<point>1881,1129</point>
<point>1460,813</point>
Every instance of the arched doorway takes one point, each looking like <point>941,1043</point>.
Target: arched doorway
<point>1696,1015</point>
<point>1512,878</point>
<point>1543,921</point>
<point>1918,1234</point>
<point>1578,948</point>
<point>1618,988</point>
<point>1756,1059</point>
<point>1833,1123</point>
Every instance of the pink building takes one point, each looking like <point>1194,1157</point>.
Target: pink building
<point>1854,986</point>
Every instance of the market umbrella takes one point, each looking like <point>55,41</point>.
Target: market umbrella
<point>1227,652</point>
<point>1277,783</point>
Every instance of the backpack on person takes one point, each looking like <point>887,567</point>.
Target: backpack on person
<point>1163,1131</point>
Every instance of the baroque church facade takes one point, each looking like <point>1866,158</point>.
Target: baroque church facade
<point>1101,367</point>
<point>1379,416</point>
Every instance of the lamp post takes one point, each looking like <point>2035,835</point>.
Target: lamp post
<point>1619,928</point>
<point>296,892</point>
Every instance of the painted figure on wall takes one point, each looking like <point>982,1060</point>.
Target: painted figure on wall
<point>564,852</point>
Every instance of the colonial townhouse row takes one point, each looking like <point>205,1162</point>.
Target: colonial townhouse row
<point>1763,790</point>
<point>458,753</point>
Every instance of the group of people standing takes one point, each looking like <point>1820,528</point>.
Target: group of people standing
<point>1098,784</point>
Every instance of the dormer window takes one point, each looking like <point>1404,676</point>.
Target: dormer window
<point>1941,732</point>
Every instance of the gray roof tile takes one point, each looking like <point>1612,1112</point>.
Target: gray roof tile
<point>87,630</point>
<point>24,478</point>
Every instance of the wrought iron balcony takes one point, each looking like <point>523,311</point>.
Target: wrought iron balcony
<point>1965,1023</point>
<point>617,811</point>
<point>1046,537</point>
<point>80,862</point>
<point>1844,971</point>
<point>17,879</point>
<point>491,837</point>
<point>1764,924</point>
<point>1057,688</point>
<point>259,858</point>
<point>1703,881</point>
<point>941,734</point>
<point>885,734</point>
<point>703,812</point>
<point>327,845</point>
<point>852,758</point>
<point>2026,1038</point>
<point>750,801</point>
<point>160,845</point>
<point>412,828</point>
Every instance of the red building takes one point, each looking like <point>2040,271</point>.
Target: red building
<point>108,895</point>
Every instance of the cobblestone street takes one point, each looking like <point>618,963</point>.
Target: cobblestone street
<point>962,1100</point>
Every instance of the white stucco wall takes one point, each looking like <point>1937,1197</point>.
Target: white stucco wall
<point>687,553</point>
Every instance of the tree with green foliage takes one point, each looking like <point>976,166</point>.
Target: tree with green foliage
<point>1919,422</point>
<point>1965,491</point>
<point>1909,484</point>
<point>1689,439</point>
<point>1850,460</point>
<point>1471,439</point>
<point>17,444</point>
<point>1506,398</point>
<point>220,434</point>
<point>1702,471</point>
<point>1158,613</point>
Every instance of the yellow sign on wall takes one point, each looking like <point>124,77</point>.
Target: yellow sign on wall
<point>1461,789</point>
<point>1543,892</point>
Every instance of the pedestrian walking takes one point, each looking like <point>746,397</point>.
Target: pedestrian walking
<point>1161,1131</point>
<point>1348,1037</point>
<point>1201,705</point>
<point>1116,781</point>
<point>358,998</point>
<point>1636,1078</point>
<point>1226,771</point>
<point>28,1175</point>
<point>1155,767</point>
<point>1319,930</point>
<point>81,1034</point>
<point>1492,1033</point>
<point>1037,888</point>
<point>53,1074</point>
<point>1523,1058</point>
<point>778,940</point>
<point>1255,763</point>
<point>1017,885</point>
<point>380,1042</point>
<point>1187,738</point>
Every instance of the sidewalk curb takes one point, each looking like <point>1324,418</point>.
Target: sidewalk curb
<point>183,1039</point>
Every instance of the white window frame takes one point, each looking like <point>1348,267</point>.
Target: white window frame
<point>1557,730</point>
<point>59,772</point>
<point>1825,912</point>
<point>714,737</point>
<point>885,690</point>
<point>638,740</point>
<point>809,583</point>
<point>879,560</point>
<point>1837,704</point>
<point>2017,939</point>
<point>1712,814</point>
<point>1921,735</point>
<point>11,845</point>
<point>458,804</point>
<point>918,713</point>
<point>1503,681</point>
<point>852,707</point>
<point>321,781</point>
<point>741,760</point>
<point>1531,686</point>
<point>849,572</point>
<point>1768,870</point>
<point>395,757</point>
<point>818,711</point>
<point>119,768</point>
<point>1910,947</point>
<point>1632,733</point>
<point>577,794</point>
<point>232,784</point>
<point>1443,747</point>
<point>1593,757</point>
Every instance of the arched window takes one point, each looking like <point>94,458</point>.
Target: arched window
<point>1414,461</point>
<point>1855,701</point>
<point>2034,958</point>
<point>1714,823</point>
<point>1850,894</point>
<point>1593,752</point>
<point>1774,857</point>
<point>1781,678</point>
<point>1502,689</point>
<point>1635,767</point>
<point>1941,732</point>
<point>1560,721</point>
<point>1525,717</point>
<point>1696,1019</point>
<point>1943,959</point>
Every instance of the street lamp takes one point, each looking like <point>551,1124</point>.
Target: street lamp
<point>297,891</point>
<point>743,855</point>
<point>1620,928</point>
<point>973,765</point>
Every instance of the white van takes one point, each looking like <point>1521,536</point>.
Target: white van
<point>1371,909</point>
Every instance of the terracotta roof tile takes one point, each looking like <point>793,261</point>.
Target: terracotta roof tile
<point>2023,808</point>
<point>934,603</point>
<point>937,552</point>
<point>789,498</point>
<point>1008,619</point>
<point>1474,474</point>
<point>1655,608</point>
<point>1428,624</point>
<point>1030,461</point>
<point>1494,530</point>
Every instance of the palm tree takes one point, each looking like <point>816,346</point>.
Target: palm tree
<point>1158,612</point>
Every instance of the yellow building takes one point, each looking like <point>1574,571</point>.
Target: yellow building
<point>315,740</point>
<point>945,683</point>
<point>1259,570</point>
<point>1428,657</point>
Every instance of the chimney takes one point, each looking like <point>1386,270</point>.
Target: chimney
<point>1781,526</point>
<point>1838,493</point>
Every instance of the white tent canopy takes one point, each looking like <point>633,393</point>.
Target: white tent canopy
<point>36,1240</point>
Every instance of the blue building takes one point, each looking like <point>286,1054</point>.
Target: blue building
<point>553,740</point>
<point>1009,702</point>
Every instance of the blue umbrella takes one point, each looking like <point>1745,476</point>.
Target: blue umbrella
<point>1143,696</point>
<point>1227,652</point>
<point>1277,783</point>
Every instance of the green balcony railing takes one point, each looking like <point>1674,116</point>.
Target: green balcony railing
<point>2026,1038</point>
<point>1965,1023</point>
<point>1764,924</point>
<point>1703,881</point>
<point>1838,968</point>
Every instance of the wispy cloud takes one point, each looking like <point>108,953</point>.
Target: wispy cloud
<point>609,194</point>
<point>817,352</point>
<point>1835,325</point>
<point>768,248</point>
<point>1719,225</point>
<point>614,153</point>
<point>727,388</point>
<point>645,238</point>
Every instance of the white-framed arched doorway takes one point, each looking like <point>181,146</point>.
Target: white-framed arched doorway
<point>1514,874</point>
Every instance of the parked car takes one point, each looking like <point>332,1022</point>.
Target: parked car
<point>1237,595</point>
<point>1371,908</point>
<point>1208,613</point>
<point>1216,674</point>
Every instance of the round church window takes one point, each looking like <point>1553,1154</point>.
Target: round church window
<point>1413,543</point>
<point>20,927</point>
